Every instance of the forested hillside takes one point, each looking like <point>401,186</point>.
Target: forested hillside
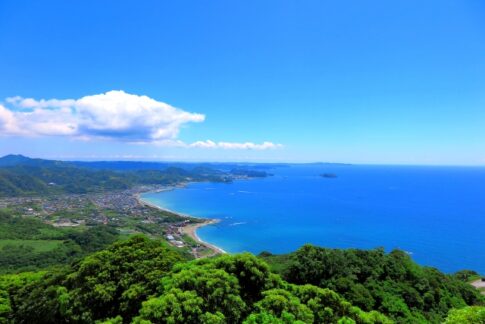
<point>92,274</point>
<point>391,283</point>
<point>22,176</point>
<point>145,281</point>
<point>29,244</point>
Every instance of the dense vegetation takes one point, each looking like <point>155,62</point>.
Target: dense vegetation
<point>90,275</point>
<point>470,314</point>
<point>40,180</point>
<point>21,176</point>
<point>144,281</point>
<point>140,280</point>
<point>29,244</point>
<point>373,280</point>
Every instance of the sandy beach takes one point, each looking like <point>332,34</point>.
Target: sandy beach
<point>189,229</point>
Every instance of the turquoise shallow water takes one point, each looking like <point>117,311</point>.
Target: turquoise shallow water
<point>435,213</point>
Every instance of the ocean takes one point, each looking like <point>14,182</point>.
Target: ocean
<point>436,214</point>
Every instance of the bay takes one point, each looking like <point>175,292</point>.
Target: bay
<point>436,214</point>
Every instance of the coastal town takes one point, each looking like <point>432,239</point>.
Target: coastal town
<point>123,210</point>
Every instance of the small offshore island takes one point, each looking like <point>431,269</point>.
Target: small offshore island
<point>328,175</point>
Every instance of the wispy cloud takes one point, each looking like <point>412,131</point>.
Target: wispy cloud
<point>114,115</point>
<point>232,145</point>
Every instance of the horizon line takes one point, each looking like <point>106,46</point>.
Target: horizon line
<point>89,160</point>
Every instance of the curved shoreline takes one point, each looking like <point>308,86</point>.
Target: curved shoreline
<point>189,229</point>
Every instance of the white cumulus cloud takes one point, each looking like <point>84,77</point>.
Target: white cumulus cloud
<point>113,115</point>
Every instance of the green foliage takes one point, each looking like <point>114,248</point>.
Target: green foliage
<point>104,285</point>
<point>227,285</point>
<point>219,290</point>
<point>25,258</point>
<point>373,280</point>
<point>240,288</point>
<point>34,245</point>
<point>44,177</point>
<point>467,315</point>
<point>145,281</point>
<point>95,238</point>
<point>466,275</point>
<point>278,262</point>
<point>175,306</point>
<point>115,281</point>
<point>26,228</point>
<point>16,183</point>
<point>252,274</point>
<point>29,244</point>
<point>268,318</point>
<point>282,304</point>
<point>9,284</point>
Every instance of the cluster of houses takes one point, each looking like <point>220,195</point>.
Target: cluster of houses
<point>174,233</point>
<point>112,208</point>
<point>171,239</point>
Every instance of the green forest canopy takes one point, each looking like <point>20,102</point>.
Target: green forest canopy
<point>145,281</point>
<point>23,176</point>
<point>29,244</point>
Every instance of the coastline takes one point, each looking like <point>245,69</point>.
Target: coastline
<point>189,229</point>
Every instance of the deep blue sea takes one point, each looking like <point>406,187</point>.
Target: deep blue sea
<point>437,214</point>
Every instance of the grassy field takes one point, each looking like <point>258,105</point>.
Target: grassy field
<point>37,245</point>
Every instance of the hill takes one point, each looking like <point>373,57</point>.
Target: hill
<point>145,281</point>
<point>22,176</point>
<point>29,244</point>
<point>391,283</point>
<point>12,159</point>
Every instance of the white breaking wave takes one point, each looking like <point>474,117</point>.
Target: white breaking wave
<point>239,223</point>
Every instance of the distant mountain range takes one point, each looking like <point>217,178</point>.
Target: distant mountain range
<point>15,160</point>
<point>21,175</point>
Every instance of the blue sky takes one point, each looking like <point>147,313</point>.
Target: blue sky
<point>388,82</point>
